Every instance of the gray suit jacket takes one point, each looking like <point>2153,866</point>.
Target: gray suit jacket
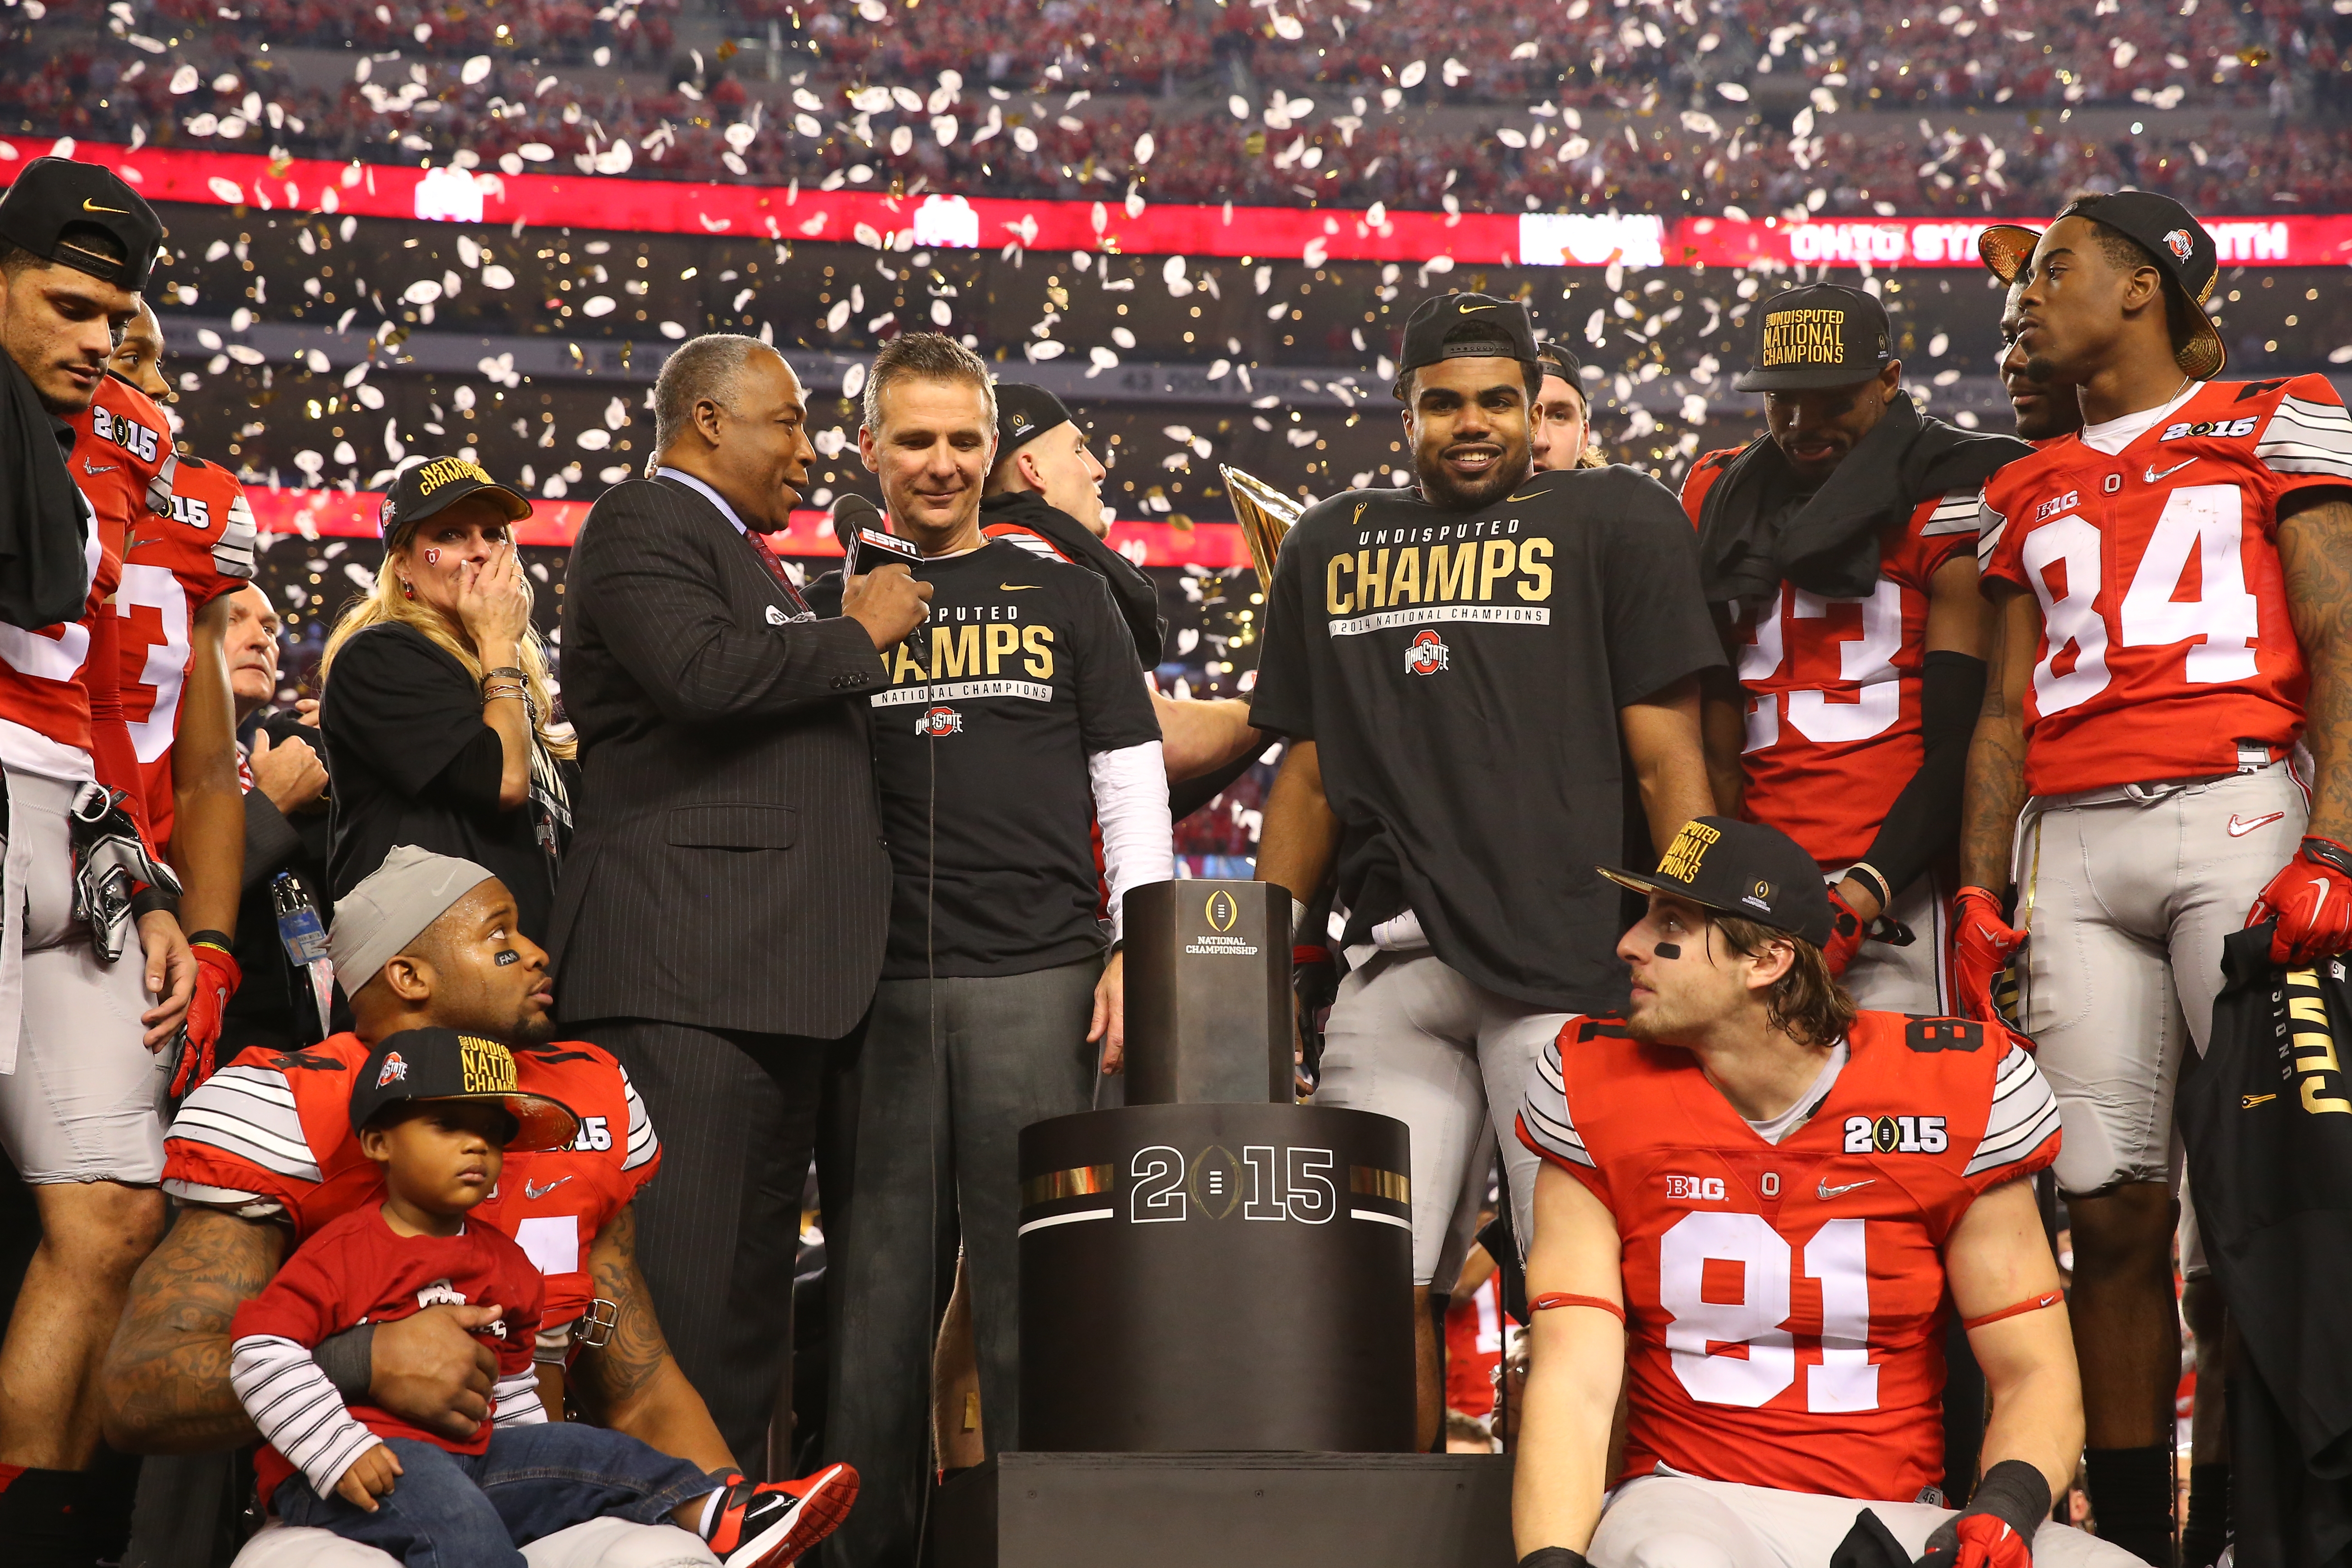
<point>727,866</point>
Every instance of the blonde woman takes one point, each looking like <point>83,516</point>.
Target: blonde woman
<point>436,712</point>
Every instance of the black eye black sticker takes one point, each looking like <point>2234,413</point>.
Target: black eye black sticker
<point>508,956</point>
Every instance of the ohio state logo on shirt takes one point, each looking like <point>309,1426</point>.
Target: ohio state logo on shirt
<point>939,721</point>
<point>1426,654</point>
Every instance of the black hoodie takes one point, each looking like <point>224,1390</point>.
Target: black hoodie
<point>1135,595</point>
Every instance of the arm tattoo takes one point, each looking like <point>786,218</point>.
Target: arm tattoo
<point>627,1364</point>
<point>165,1381</point>
<point>1995,789</point>
<point>2315,556</point>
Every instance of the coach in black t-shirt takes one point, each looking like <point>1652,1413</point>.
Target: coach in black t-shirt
<point>1455,665</point>
<point>1015,720</point>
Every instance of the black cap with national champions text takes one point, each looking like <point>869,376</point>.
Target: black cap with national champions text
<point>2184,253</point>
<point>1742,868</point>
<point>439,482</point>
<point>55,196</point>
<point>1024,412</point>
<point>1815,336</point>
<point>1503,331</point>
<point>441,1064</point>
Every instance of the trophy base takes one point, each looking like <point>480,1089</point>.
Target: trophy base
<point>1182,1511</point>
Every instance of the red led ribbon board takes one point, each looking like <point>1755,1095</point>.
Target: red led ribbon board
<point>949,222</point>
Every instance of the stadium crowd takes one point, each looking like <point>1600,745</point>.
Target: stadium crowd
<point>1332,114</point>
<point>317,980</point>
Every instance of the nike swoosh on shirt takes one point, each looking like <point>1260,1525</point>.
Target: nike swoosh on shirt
<point>1017,587</point>
<point>1825,1192</point>
<point>1530,496</point>
<point>2239,828</point>
<point>94,469</point>
<point>2154,474</point>
<point>535,1193</point>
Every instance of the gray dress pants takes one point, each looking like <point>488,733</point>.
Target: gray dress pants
<point>951,1071</point>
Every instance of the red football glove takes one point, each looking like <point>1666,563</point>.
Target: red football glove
<point>1977,1540</point>
<point>1983,945</point>
<point>1846,930</point>
<point>2312,900</point>
<point>217,977</point>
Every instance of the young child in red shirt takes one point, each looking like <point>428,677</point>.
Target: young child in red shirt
<point>437,1110</point>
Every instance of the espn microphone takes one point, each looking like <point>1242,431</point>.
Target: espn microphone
<point>858,524</point>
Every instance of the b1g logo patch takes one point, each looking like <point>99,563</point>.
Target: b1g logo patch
<point>1896,1135</point>
<point>938,721</point>
<point>1696,1189</point>
<point>1426,654</point>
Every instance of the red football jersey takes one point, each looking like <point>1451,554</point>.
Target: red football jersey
<point>1474,1348</point>
<point>123,461</point>
<point>173,567</point>
<point>2166,640</point>
<point>271,1135</point>
<point>1785,1302</point>
<point>358,1270</point>
<point>1832,686</point>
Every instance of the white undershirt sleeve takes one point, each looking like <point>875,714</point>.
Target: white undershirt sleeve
<point>296,1408</point>
<point>1130,787</point>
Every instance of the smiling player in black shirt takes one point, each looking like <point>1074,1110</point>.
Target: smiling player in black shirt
<point>1015,720</point>
<point>1457,665</point>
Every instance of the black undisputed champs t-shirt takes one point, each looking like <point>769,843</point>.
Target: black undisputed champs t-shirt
<point>1031,670</point>
<point>1460,674</point>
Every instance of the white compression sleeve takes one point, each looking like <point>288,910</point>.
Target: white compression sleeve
<point>1130,787</point>
<point>296,1408</point>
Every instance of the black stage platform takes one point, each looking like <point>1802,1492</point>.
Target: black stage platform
<point>1226,1511</point>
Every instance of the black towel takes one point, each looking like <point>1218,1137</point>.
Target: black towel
<point>1760,528</point>
<point>43,577</point>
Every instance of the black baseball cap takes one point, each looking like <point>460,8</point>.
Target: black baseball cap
<point>1742,868</point>
<point>1819,335</point>
<point>1504,332</point>
<point>2184,253</point>
<point>442,1064</point>
<point>437,482</point>
<point>2006,248</point>
<point>1024,412</point>
<point>54,197</point>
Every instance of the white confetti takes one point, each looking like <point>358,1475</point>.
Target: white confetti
<point>1410,76</point>
<point>476,69</point>
<point>594,440</point>
<point>597,305</point>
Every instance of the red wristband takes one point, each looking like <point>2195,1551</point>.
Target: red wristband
<point>1551,1298</point>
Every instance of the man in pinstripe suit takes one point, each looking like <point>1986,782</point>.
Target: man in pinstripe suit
<point>721,918</point>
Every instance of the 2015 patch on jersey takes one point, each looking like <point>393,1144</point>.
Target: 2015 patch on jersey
<point>1896,1135</point>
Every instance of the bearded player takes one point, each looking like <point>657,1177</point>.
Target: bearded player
<point>1852,607</point>
<point>179,569</point>
<point>1456,668</point>
<point>263,1154</point>
<point>1754,1206</point>
<point>2171,581</point>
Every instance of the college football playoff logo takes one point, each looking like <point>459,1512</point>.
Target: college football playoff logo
<point>1426,654</point>
<point>938,721</point>
<point>1223,911</point>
